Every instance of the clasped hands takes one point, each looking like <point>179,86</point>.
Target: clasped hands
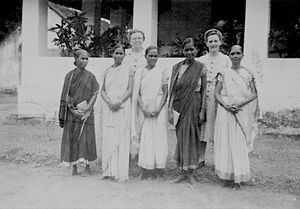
<point>115,105</point>
<point>147,113</point>
<point>233,108</point>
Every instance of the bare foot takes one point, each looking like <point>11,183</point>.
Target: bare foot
<point>227,183</point>
<point>105,177</point>
<point>74,170</point>
<point>237,186</point>
<point>142,175</point>
<point>191,179</point>
<point>201,165</point>
<point>160,174</point>
<point>180,178</point>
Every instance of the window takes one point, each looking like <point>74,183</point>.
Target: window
<point>179,19</point>
<point>284,36</point>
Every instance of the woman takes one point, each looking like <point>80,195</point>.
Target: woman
<point>76,114</point>
<point>135,59</point>
<point>149,113</point>
<point>214,61</point>
<point>188,98</point>
<point>135,55</point>
<point>235,123</point>
<point>116,90</point>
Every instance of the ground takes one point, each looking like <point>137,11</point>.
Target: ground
<point>31,175</point>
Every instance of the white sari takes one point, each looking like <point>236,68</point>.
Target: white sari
<point>116,125</point>
<point>235,133</point>
<point>150,134</point>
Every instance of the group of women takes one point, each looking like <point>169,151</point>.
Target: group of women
<point>211,98</point>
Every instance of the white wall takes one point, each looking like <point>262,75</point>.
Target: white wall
<point>280,78</point>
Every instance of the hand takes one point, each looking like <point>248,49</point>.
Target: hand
<point>171,116</point>
<point>146,112</point>
<point>202,116</point>
<point>61,123</point>
<point>232,108</point>
<point>115,106</point>
<point>155,113</point>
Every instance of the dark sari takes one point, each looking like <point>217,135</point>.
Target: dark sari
<point>188,103</point>
<point>77,147</point>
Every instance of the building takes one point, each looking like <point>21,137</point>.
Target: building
<point>42,75</point>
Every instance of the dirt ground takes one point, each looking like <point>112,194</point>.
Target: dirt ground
<point>31,175</point>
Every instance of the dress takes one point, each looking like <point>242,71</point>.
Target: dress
<point>188,101</point>
<point>153,147</point>
<point>135,60</point>
<point>213,65</point>
<point>116,125</point>
<point>78,140</point>
<point>235,133</point>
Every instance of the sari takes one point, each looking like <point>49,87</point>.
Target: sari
<point>78,141</point>
<point>116,125</point>
<point>150,134</point>
<point>235,133</point>
<point>188,103</point>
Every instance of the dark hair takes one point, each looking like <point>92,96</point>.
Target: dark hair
<point>135,31</point>
<point>241,48</point>
<point>188,41</point>
<point>211,32</point>
<point>149,49</point>
<point>119,46</point>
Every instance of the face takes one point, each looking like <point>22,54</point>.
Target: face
<point>82,60</point>
<point>136,40</point>
<point>118,55</point>
<point>213,43</point>
<point>152,57</point>
<point>236,54</point>
<point>189,51</point>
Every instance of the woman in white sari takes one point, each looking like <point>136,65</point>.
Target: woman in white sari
<point>149,125</point>
<point>236,121</point>
<point>116,91</point>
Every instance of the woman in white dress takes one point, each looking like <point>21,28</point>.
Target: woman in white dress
<point>149,114</point>
<point>236,121</point>
<point>214,61</point>
<point>116,91</point>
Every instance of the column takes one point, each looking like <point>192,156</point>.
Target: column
<point>145,18</point>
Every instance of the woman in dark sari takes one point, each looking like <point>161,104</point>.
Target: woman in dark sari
<point>76,114</point>
<point>187,103</point>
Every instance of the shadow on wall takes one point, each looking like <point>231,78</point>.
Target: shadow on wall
<point>10,62</point>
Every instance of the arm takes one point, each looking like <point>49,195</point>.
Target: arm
<point>142,106</point>
<point>127,94</point>
<point>219,99</point>
<point>163,99</point>
<point>202,114</point>
<point>103,94</point>
<point>252,97</point>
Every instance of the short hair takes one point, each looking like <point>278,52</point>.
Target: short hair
<point>149,48</point>
<point>211,32</point>
<point>135,31</point>
<point>188,41</point>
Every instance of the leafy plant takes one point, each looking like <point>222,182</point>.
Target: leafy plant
<point>74,33</point>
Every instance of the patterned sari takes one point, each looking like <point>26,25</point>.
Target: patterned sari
<point>188,103</point>
<point>235,133</point>
<point>78,140</point>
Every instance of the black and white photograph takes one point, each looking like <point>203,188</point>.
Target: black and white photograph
<point>150,104</point>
